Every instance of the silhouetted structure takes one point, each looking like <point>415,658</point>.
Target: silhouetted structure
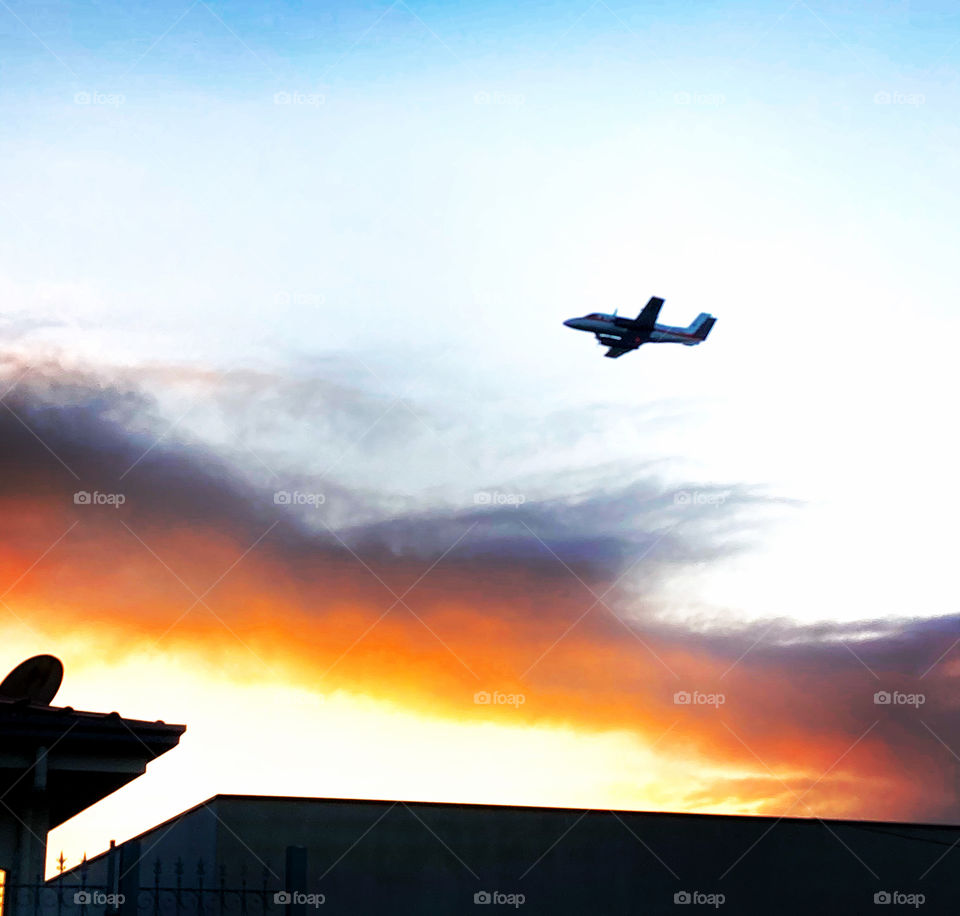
<point>55,762</point>
<point>275,856</point>
<point>382,857</point>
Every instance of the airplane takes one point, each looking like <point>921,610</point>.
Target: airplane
<point>621,335</point>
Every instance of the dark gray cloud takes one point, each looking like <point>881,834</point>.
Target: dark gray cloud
<point>68,431</point>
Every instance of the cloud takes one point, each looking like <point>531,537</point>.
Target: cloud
<point>552,597</point>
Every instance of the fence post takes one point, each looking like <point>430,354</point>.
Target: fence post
<point>129,880</point>
<point>295,880</point>
<point>112,878</point>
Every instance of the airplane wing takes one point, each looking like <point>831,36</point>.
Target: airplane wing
<point>648,317</point>
<point>614,352</point>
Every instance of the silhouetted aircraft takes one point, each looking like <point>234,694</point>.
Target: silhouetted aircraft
<point>622,335</point>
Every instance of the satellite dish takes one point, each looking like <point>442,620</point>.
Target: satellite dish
<point>36,680</point>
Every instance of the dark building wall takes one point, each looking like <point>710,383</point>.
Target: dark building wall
<point>191,836</point>
<point>417,858</point>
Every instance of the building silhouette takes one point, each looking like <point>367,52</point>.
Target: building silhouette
<point>56,762</point>
<point>388,857</point>
<point>244,855</point>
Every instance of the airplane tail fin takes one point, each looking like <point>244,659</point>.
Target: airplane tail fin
<point>701,326</point>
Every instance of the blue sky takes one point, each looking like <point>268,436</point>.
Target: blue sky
<point>413,198</point>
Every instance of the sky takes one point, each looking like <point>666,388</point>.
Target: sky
<point>262,249</point>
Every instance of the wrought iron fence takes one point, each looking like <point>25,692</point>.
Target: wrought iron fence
<point>174,891</point>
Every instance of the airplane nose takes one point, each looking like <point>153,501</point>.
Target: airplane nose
<point>569,322</point>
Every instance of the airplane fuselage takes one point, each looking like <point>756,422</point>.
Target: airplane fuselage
<point>618,326</point>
